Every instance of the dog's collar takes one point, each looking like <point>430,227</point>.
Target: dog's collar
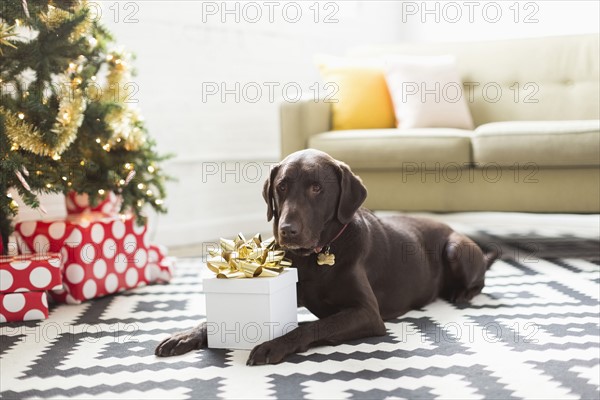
<point>320,248</point>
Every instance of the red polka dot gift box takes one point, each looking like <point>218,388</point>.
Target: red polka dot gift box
<point>79,203</point>
<point>23,281</point>
<point>33,272</point>
<point>102,254</point>
<point>25,306</point>
<point>161,265</point>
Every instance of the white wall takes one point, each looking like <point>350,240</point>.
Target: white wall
<point>500,19</point>
<point>182,47</point>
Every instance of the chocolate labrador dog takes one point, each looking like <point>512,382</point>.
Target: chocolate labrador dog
<point>355,269</point>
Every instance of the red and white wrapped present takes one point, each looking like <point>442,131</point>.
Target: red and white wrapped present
<point>161,266</point>
<point>23,281</point>
<point>28,273</point>
<point>79,203</point>
<point>23,306</point>
<point>102,254</point>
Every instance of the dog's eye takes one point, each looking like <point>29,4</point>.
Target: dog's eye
<point>282,187</point>
<point>316,188</point>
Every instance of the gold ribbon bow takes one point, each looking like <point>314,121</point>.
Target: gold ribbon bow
<point>241,258</point>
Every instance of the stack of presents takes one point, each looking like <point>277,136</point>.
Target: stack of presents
<point>93,252</point>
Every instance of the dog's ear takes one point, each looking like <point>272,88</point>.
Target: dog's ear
<point>268,192</point>
<point>352,194</point>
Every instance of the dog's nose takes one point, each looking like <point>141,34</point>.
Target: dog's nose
<point>288,230</point>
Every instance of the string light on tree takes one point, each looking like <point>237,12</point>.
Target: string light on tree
<point>12,203</point>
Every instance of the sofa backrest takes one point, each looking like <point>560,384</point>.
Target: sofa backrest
<point>549,78</point>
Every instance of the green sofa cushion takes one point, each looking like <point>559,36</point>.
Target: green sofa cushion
<point>545,143</point>
<point>372,149</point>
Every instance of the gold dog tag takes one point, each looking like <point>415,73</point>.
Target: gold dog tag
<point>326,258</point>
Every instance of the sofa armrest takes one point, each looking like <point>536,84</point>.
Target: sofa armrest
<point>301,120</point>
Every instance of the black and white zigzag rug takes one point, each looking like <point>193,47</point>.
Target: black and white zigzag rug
<point>532,333</point>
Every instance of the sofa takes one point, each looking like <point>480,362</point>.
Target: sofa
<point>535,148</point>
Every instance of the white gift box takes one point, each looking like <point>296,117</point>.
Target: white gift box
<point>242,313</point>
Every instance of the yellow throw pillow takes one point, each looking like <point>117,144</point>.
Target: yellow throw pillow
<point>363,98</point>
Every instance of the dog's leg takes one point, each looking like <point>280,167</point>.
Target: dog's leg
<point>346,325</point>
<point>183,342</point>
<point>465,266</point>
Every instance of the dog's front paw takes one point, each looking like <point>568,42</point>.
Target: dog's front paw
<point>271,352</point>
<point>182,342</point>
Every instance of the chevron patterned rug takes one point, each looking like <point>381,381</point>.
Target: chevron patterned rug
<point>532,333</point>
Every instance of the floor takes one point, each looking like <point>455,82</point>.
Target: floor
<point>532,333</point>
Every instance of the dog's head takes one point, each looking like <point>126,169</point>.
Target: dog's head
<point>308,192</point>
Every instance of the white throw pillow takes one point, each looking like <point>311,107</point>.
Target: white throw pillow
<point>427,92</point>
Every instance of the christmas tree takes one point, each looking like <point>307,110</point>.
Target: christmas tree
<point>68,118</point>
